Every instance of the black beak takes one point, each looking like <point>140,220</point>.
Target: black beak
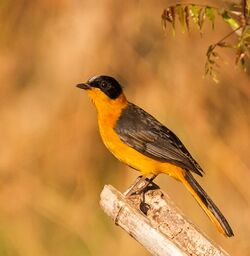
<point>83,86</point>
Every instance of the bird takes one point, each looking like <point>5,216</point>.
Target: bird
<point>140,141</point>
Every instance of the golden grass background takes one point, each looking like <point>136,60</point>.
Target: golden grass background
<point>53,164</point>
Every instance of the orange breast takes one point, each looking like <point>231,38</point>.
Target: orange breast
<point>128,155</point>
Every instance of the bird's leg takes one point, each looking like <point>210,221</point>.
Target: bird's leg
<point>141,185</point>
<point>137,184</point>
<point>149,185</point>
<point>144,207</point>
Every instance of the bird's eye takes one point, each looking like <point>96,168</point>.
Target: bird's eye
<point>103,84</point>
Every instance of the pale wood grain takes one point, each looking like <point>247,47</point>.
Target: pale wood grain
<point>163,230</point>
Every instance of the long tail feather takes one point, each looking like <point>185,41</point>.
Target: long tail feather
<point>207,204</point>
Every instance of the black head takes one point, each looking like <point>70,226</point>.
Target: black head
<point>106,84</point>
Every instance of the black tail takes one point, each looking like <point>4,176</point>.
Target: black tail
<point>207,205</point>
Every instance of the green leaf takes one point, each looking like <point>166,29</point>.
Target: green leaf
<point>186,10</point>
<point>240,59</point>
<point>210,49</point>
<point>224,44</point>
<point>180,11</point>
<point>215,55</point>
<point>201,18</point>
<point>211,71</point>
<point>209,12</point>
<point>211,64</point>
<point>246,32</point>
<point>172,11</point>
<point>194,13</point>
<point>229,20</point>
<point>163,18</point>
<point>168,15</point>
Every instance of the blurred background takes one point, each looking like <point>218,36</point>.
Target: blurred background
<point>53,164</point>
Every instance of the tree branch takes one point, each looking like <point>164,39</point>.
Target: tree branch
<point>161,229</point>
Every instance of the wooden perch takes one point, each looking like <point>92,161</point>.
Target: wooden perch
<point>161,229</point>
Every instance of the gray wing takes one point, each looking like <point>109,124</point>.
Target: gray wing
<point>144,133</point>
